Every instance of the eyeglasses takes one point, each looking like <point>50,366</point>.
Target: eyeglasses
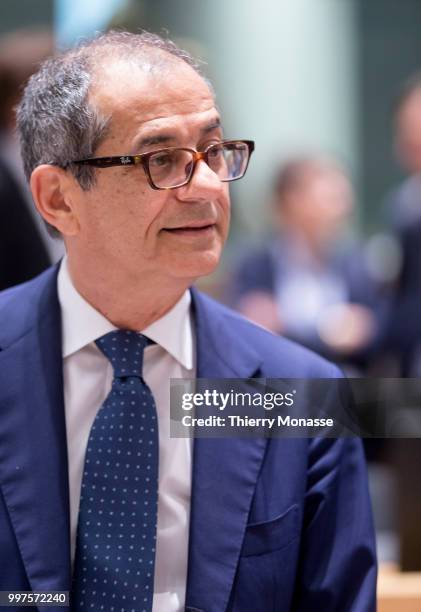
<point>174,167</point>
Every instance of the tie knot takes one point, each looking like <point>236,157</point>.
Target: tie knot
<point>124,349</point>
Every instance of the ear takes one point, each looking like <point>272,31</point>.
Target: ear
<point>52,189</point>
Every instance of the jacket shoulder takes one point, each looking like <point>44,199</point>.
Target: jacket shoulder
<point>22,306</point>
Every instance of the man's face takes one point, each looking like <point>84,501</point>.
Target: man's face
<point>124,223</point>
<point>408,133</point>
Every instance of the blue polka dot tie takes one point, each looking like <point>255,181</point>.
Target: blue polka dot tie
<point>115,549</point>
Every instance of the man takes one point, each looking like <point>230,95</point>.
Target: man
<point>242,525</point>
<point>401,331</point>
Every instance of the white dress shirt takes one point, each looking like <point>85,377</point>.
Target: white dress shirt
<point>87,381</point>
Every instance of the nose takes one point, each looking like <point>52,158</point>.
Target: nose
<point>204,184</point>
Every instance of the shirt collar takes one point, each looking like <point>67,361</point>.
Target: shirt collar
<point>83,324</point>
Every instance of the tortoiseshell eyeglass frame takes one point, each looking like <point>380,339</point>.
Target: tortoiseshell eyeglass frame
<point>143,159</point>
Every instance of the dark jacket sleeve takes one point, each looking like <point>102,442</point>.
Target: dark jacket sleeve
<point>338,569</point>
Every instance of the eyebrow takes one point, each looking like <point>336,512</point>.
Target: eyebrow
<point>213,125</point>
<point>168,138</point>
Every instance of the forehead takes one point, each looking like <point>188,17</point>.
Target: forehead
<point>146,100</point>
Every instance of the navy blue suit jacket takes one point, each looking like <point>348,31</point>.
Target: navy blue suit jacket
<point>276,525</point>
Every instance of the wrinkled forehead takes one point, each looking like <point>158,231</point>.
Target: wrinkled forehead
<point>132,94</point>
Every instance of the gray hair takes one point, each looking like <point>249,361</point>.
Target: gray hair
<point>57,122</point>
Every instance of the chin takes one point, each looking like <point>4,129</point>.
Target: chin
<point>201,265</point>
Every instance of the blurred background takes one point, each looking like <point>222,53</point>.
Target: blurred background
<point>325,245</point>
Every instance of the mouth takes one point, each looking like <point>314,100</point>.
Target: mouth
<point>193,229</point>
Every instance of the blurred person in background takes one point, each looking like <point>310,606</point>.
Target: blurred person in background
<point>404,204</point>
<point>26,249</point>
<point>304,282</point>
<point>401,334</point>
<point>397,491</point>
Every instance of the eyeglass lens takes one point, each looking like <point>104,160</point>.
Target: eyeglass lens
<point>172,168</point>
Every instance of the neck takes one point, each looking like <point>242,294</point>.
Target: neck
<point>128,303</point>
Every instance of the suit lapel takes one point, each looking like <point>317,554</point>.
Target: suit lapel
<point>33,452</point>
<point>224,470</point>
